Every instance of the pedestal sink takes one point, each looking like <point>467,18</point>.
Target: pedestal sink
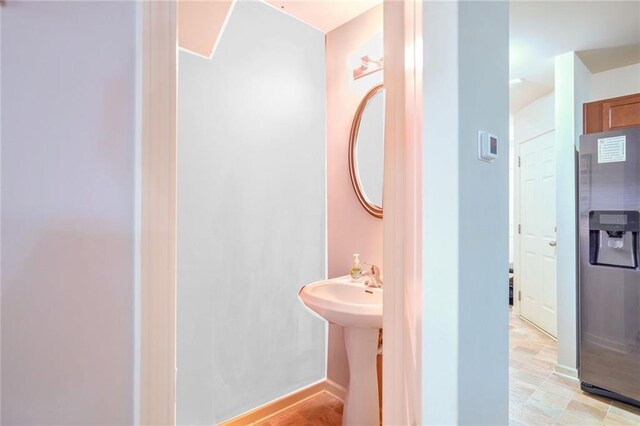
<point>358,309</point>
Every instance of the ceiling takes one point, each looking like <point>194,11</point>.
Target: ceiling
<point>201,23</point>
<point>605,35</point>
<point>325,15</point>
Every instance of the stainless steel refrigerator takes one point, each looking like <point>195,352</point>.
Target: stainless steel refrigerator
<point>609,278</point>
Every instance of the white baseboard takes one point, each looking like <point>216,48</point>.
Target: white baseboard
<point>275,407</point>
<point>565,371</point>
<point>335,389</point>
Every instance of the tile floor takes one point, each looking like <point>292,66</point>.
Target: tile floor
<point>537,396</point>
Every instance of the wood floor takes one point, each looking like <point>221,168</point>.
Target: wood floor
<point>323,409</point>
<point>537,396</point>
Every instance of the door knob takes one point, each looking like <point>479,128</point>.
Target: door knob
<point>553,243</point>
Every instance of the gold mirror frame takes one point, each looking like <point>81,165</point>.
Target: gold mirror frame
<point>353,167</point>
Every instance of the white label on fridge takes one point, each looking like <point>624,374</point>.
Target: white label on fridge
<point>612,150</point>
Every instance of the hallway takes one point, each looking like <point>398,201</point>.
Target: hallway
<point>537,396</point>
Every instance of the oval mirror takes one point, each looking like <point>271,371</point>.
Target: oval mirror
<point>366,151</point>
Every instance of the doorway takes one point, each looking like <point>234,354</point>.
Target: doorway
<point>537,231</point>
<point>262,158</point>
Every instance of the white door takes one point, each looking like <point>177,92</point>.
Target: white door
<point>538,299</point>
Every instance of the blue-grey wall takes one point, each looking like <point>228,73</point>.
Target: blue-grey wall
<point>251,215</point>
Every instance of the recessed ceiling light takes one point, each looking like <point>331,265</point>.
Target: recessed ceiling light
<point>515,82</point>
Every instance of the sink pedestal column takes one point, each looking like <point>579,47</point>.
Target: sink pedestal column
<point>361,403</point>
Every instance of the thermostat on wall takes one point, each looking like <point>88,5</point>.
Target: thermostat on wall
<point>487,146</point>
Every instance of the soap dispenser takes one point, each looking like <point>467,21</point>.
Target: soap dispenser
<point>356,269</point>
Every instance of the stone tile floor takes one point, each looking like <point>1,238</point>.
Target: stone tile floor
<point>537,396</point>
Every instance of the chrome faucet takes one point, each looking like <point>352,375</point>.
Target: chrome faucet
<point>374,273</point>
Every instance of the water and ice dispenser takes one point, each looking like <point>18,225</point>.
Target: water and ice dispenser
<point>613,238</point>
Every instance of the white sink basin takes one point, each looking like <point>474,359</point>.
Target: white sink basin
<point>358,309</point>
<point>343,302</point>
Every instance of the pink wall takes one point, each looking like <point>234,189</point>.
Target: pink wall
<point>200,23</point>
<point>350,228</point>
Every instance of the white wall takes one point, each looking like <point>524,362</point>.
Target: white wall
<point>535,119</point>
<point>251,215</point>
<point>465,240</point>
<point>571,91</point>
<point>68,181</point>
<point>616,82</point>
